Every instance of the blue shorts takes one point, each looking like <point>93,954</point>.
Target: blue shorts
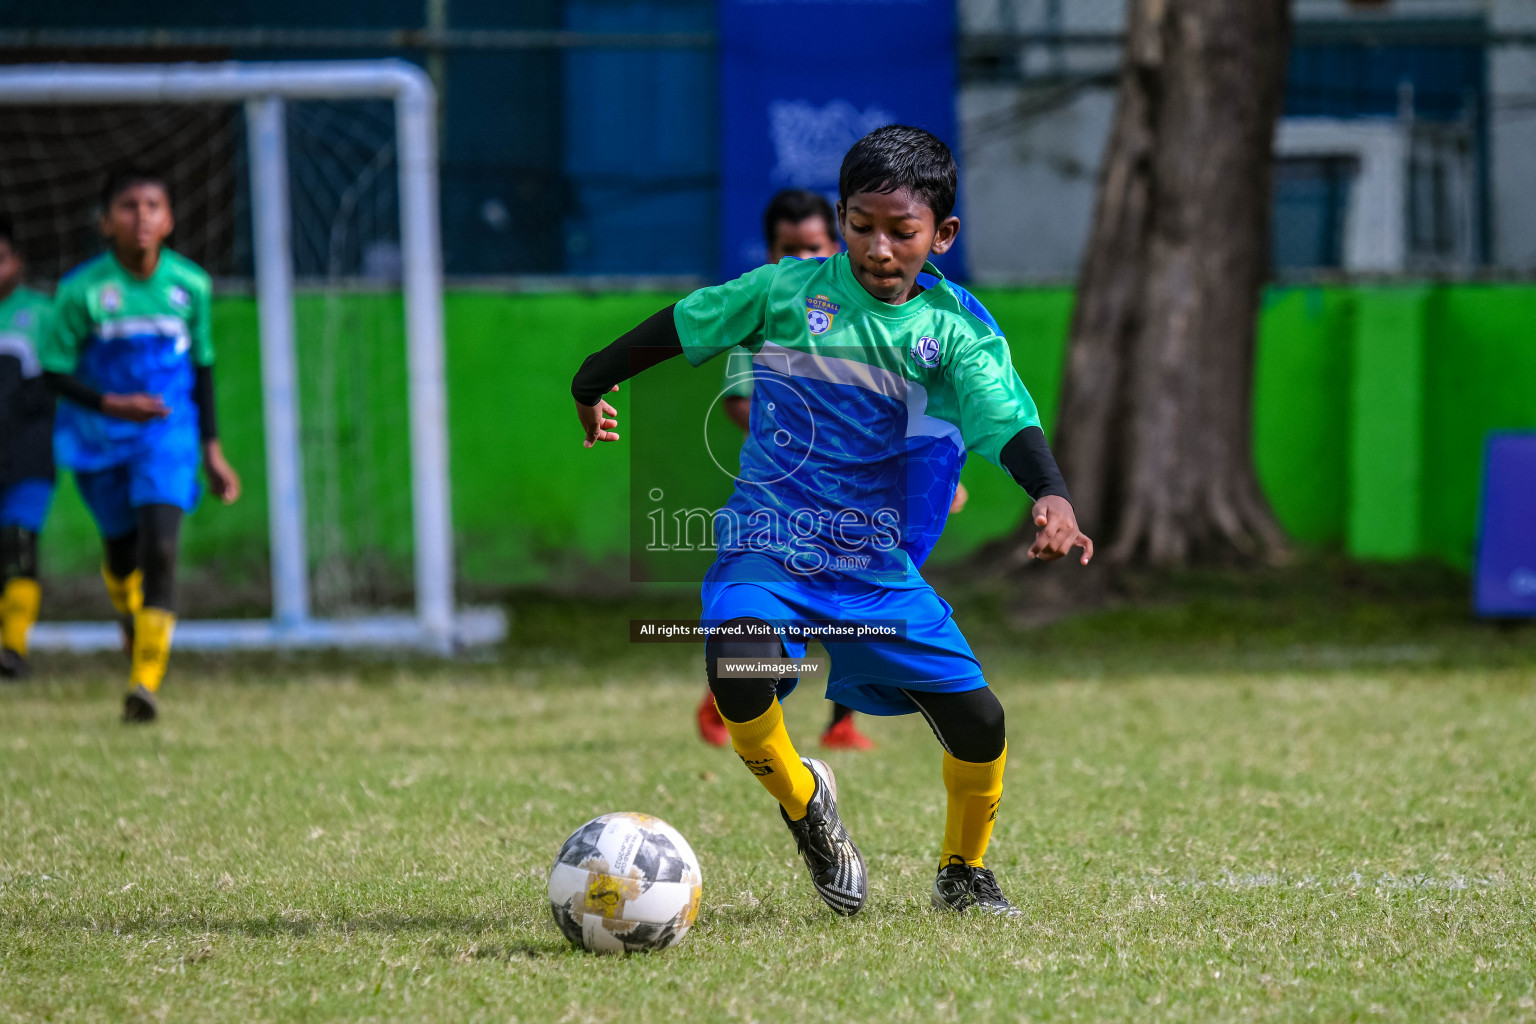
<point>114,494</point>
<point>25,503</point>
<point>868,676</point>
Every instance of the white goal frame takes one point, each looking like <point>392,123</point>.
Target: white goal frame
<point>264,87</point>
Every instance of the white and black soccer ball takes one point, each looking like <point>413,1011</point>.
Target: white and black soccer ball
<point>625,882</point>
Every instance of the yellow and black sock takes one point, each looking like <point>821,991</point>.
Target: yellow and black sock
<point>974,792</point>
<point>152,629</point>
<point>19,603</point>
<point>764,747</point>
<point>126,592</point>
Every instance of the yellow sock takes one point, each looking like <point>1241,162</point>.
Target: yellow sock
<point>152,629</point>
<point>18,612</point>
<point>765,749</point>
<point>127,592</point>
<point>974,792</point>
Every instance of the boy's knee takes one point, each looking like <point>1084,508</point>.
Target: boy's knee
<point>987,736</point>
<point>970,725</point>
<point>989,714</point>
<point>740,698</point>
<point>122,554</point>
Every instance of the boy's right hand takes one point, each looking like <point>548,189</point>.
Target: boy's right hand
<point>136,408</point>
<point>598,421</point>
<point>1058,530</point>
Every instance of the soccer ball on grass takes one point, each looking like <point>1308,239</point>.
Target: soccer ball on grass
<point>625,882</point>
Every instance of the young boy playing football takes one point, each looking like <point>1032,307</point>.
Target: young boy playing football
<point>869,390</point>
<point>131,351</point>
<point>802,224</point>
<point>26,454</point>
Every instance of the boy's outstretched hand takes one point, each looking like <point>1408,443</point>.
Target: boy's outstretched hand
<point>598,421</point>
<point>1059,533</point>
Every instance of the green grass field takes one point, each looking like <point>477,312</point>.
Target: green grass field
<point>1213,812</point>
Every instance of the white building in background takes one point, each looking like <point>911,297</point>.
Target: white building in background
<point>1393,160</point>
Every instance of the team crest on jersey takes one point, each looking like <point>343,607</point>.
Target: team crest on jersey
<point>926,351</point>
<point>819,311</point>
<point>22,319</point>
<point>179,297</point>
<point>111,299</point>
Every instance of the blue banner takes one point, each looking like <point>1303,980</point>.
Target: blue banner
<point>803,80</point>
<point>1505,575</point>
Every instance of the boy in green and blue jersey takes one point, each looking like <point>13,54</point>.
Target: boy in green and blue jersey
<point>131,351</point>
<point>869,390</point>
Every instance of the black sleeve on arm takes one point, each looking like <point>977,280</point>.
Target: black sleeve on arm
<point>1028,459</point>
<point>202,394</point>
<point>66,386</point>
<point>654,341</point>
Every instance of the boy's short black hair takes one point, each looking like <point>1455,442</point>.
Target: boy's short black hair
<point>122,179</point>
<point>7,231</point>
<point>793,205</point>
<point>899,157</point>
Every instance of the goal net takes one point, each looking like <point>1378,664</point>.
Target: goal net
<point>308,191</point>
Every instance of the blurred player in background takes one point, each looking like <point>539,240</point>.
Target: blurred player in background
<point>131,350</point>
<point>26,453</point>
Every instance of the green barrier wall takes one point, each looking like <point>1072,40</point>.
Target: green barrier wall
<point>1370,409</point>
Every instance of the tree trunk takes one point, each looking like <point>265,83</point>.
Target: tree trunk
<point>1154,433</point>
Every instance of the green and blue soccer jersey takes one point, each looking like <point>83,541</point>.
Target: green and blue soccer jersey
<point>119,335</point>
<point>862,415</point>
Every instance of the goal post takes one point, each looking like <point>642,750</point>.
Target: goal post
<point>264,89</point>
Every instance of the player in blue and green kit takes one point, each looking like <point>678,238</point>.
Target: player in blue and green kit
<point>26,454</point>
<point>869,390</point>
<point>131,351</point>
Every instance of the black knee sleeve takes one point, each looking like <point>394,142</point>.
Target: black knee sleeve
<point>969,725</point>
<point>122,554</point>
<point>18,553</point>
<point>159,537</point>
<point>740,698</point>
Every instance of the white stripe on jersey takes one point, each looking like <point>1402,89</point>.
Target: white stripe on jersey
<point>852,372</point>
<point>18,346</point>
<point>832,370</point>
<point>164,326</point>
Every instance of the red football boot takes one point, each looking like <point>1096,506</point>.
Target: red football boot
<point>844,735</point>
<point>711,725</point>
